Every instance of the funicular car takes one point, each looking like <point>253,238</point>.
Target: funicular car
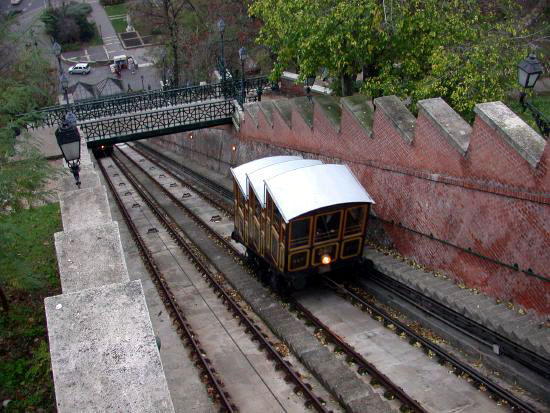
<point>299,217</point>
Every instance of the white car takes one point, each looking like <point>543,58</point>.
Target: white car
<point>15,2</point>
<point>80,68</point>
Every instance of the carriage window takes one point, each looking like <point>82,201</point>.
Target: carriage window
<point>277,218</point>
<point>274,247</point>
<point>351,248</point>
<point>355,218</point>
<point>327,226</point>
<point>298,260</point>
<point>299,233</point>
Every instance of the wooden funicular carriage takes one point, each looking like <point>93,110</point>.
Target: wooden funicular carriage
<point>299,217</point>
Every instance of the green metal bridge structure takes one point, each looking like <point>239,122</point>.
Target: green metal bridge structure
<point>135,116</point>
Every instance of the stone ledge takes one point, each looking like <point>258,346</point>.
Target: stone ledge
<point>331,109</point>
<point>90,257</point>
<point>88,178</point>
<point>454,128</point>
<point>252,109</point>
<point>83,208</point>
<point>398,114</point>
<point>518,134</point>
<point>266,107</point>
<point>285,110</point>
<point>305,109</point>
<point>103,352</point>
<point>361,110</point>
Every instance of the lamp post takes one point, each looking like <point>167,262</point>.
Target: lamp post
<point>310,80</point>
<point>242,57</point>
<point>221,28</point>
<point>529,71</point>
<point>56,47</point>
<point>68,140</point>
<point>64,85</point>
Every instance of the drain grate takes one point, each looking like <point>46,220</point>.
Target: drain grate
<point>215,218</point>
<point>136,205</point>
<point>121,184</point>
<point>186,195</point>
<point>173,185</point>
<point>162,176</point>
<point>142,160</point>
<point>152,230</point>
<point>127,193</point>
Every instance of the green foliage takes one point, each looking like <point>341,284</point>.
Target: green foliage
<point>23,171</point>
<point>341,36</point>
<point>69,23</point>
<point>27,257</point>
<point>465,51</point>
<point>116,9</point>
<point>29,273</point>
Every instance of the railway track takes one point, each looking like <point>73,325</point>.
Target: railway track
<point>228,296</point>
<point>220,394</point>
<point>498,392</point>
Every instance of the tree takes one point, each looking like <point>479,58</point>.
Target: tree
<point>25,84</point>
<point>339,35</point>
<point>69,22</point>
<point>464,51</point>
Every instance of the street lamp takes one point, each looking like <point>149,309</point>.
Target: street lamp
<point>64,85</point>
<point>56,47</point>
<point>68,140</point>
<point>242,57</point>
<point>529,71</point>
<point>221,28</point>
<point>310,80</point>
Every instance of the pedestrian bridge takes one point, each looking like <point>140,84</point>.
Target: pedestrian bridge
<point>153,113</point>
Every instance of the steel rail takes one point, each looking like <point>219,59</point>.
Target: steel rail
<point>504,394</point>
<point>223,396</point>
<point>442,354</point>
<point>399,393</point>
<point>190,250</point>
<point>469,327</point>
<point>364,365</point>
<point>172,167</point>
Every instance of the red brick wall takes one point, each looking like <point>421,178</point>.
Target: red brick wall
<point>482,218</point>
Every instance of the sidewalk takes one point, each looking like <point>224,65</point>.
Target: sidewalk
<point>111,43</point>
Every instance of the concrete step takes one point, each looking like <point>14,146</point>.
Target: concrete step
<point>304,108</point>
<point>283,107</point>
<point>266,107</point>
<point>252,109</point>
<point>361,108</point>
<point>331,109</point>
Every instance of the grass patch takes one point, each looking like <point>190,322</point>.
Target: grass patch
<point>542,102</point>
<point>115,9</point>
<point>28,275</point>
<point>119,25</point>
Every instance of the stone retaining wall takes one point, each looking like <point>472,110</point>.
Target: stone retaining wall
<point>471,201</point>
<point>103,349</point>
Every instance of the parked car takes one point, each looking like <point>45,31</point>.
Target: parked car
<point>80,68</point>
<point>15,2</point>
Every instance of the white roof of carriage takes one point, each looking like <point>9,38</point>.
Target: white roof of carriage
<point>257,177</point>
<point>239,173</point>
<point>306,189</point>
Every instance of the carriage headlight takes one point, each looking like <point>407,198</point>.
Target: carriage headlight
<point>325,259</point>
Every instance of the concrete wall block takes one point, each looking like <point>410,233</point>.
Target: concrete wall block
<point>397,113</point>
<point>84,208</point>
<point>90,257</point>
<point>508,151</point>
<point>103,351</point>
<point>518,134</point>
<point>88,179</point>
<point>453,127</point>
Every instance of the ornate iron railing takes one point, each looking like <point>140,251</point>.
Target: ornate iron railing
<point>157,122</point>
<point>151,100</point>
